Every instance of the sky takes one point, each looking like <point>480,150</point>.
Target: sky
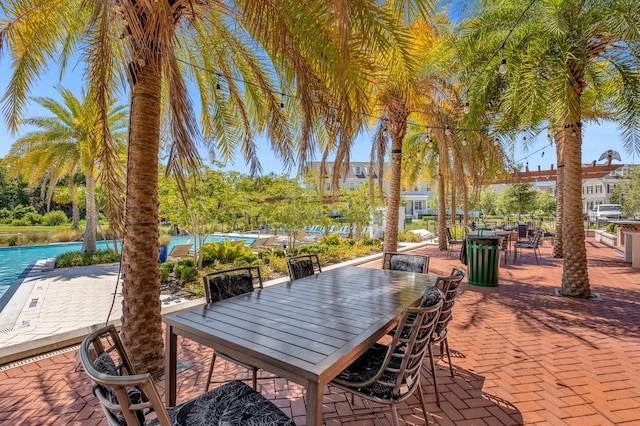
<point>597,138</point>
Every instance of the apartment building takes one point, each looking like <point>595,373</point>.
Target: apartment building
<point>414,199</point>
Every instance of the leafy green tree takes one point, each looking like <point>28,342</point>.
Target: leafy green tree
<point>517,198</point>
<point>545,202</point>
<point>66,141</point>
<point>563,57</point>
<point>14,190</point>
<point>627,193</point>
<point>488,201</point>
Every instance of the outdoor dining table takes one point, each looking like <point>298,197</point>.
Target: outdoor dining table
<point>306,331</point>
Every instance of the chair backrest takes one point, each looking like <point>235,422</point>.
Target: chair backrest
<point>125,397</point>
<point>405,262</point>
<point>303,265</point>
<point>181,250</point>
<point>537,237</point>
<point>449,286</point>
<point>232,282</point>
<point>449,234</point>
<point>522,230</point>
<point>400,371</point>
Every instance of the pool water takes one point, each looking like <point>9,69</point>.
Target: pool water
<point>13,260</point>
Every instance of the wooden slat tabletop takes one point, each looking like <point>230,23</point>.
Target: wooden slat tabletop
<point>310,329</point>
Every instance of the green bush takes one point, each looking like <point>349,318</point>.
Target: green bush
<point>12,241</point>
<point>225,252</point>
<point>187,273</point>
<point>408,237</point>
<point>75,258</point>
<point>278,252</point>
<point>165,270</point>
<point>332,240</point>
<point>18,222</point>
<point>187,261</point>
<point>612,227</point>
<point>55,218</point>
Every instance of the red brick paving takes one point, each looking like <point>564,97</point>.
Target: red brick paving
<point>521,355</point>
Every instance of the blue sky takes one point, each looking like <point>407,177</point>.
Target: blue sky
<point>596,138</point>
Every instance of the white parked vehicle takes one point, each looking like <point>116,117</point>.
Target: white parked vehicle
<point>605,213</point>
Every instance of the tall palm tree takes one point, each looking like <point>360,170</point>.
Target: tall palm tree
<point>556,52</point>
<point>65,143</point>
<point>269,60</point>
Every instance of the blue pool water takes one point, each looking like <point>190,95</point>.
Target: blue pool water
<point>13,260</point>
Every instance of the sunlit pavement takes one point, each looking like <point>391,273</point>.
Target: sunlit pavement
<point>521,355</point>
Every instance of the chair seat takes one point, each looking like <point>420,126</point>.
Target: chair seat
<point>365,368</point>
<point>234,403</point>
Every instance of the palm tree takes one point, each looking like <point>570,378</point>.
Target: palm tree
<point>255,65</point>
<point>557,53</point>
<point>65,143</point>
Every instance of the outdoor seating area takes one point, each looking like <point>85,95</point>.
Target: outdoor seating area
<point>519,354</point>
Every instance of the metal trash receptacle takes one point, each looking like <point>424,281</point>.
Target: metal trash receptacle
<point>483,260</point>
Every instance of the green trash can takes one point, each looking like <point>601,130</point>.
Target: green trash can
<point>483,259</point>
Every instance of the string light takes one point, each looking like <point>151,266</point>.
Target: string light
<point>447,130</point>
<point>503,66</point>
<point>467,108</point>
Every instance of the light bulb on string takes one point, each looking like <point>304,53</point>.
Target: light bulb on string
<point>542,155</point>
<point>467,108</point>
<point>503,66</point>
<point>464,141</point>
<point>447,130</point>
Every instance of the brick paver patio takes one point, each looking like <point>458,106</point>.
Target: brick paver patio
<point>522,355</point>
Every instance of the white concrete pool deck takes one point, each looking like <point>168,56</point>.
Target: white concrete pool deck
<point>52,309</point>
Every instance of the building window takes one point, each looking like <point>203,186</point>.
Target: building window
<point>589,189</point>
<point>417,205</point>
<point>352,186</point>
<point>598,189</point>
<point>610,188</point>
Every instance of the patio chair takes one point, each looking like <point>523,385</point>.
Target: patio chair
<point>452,241</point>
<point>533,244</point>
<point>405,262</point>
<point>128,398</point>
<point>449,286</point>
<point>303,265</point>
<point>389,374</point>
<point>227,283</point>
<point>179,251</point>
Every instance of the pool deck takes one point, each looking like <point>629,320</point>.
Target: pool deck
<point>521,354</point>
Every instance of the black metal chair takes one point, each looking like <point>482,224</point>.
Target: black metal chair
<point>405,262</point>
<point>303,265</point>
<point>128,398</point>
<point>389,374</point>
<point>449,286</point>
<point>227,283</point>
<point>451,241</point>
<point>533,244</point>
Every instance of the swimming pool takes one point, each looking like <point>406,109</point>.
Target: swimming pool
<point>13,260</point>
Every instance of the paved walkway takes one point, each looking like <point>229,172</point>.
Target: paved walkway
<point>521,354</point>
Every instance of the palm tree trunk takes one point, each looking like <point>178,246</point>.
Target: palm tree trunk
<point>557,239</point>
<point>442,213</point>
<point>398,127</point>
<point>141,319</point>
<point>454,208</point>
<point>575,274</point>
<point>89,241</point>
<point>75,211</point>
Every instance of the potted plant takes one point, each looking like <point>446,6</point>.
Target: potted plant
<point>163,242</point>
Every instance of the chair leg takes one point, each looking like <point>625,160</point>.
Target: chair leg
<point>213,361</point>
<point>446,347</point>
<point>433,374</point>
<point>394,415</point>
<point>254,377</point>
<point>422,402</point>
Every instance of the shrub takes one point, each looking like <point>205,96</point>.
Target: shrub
<point>187,273</point>
<point>164,274</point>
<point>409,237</point>
<point>225,252</point>
<point>18,222</point>
<point>612,228</point>
<point>55,218</point>
<point>278,252</point>
<point>75,258</point>
<point>32,218</point>
<point>12,241</point>
<point>187,261</point>
<point>332,240</point>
